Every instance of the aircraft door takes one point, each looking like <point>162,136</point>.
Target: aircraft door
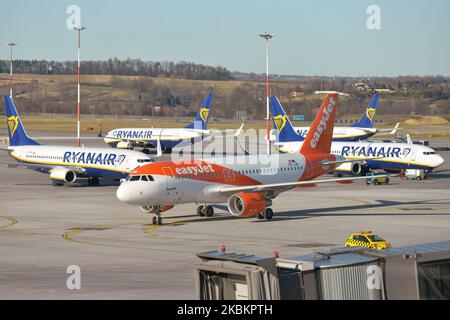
<point>170,179</point>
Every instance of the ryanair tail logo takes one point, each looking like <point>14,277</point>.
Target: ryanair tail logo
<point>280,122</point>
<point>204,113</point>
<point>13,123</point>
<point>370,113</point>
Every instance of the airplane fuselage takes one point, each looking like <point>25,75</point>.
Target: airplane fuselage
<point>94,162</point>
<point>199,181</point>
<point>391,156</point>
<point>148,137</point>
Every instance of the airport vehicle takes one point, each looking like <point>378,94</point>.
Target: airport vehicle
<point>248,184</point>
<point>367,239</point>
<point>415,174</point>
<point>387,156</point>
<point>373,178</point>
<point>66,164</point>
<point>361,130</point>
<point>129,138</point>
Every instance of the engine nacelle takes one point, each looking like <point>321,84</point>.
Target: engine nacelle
<point>152,209</point>
<point>247,204</point>
<point>356,168</point>
<point>352,167</point>
<point>63,174</point>
<point>124,145</point>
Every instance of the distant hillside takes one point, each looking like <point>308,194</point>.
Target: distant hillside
<point>171,96</point>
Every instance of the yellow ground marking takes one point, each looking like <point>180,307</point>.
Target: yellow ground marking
<point>12,222</point>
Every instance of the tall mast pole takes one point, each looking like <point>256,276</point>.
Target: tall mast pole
<point>267,37</point>
<point>79,29</point>
<point>11,79</point>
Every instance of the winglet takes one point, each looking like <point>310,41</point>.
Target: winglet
<point>320,134</point>
<point>395,129</point>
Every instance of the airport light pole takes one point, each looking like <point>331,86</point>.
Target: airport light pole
<point>79,29</point>
<point>11,46</point>
<point>266,36</point>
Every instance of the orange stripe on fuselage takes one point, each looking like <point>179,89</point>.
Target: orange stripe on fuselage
<point>197,170</point>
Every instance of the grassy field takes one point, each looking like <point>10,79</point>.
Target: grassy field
<point>89,124</point>
<point>98,88</point>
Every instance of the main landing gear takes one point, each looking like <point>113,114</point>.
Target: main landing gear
<point>205,211</point>
<point>93,181</point>
<point>267,214</point>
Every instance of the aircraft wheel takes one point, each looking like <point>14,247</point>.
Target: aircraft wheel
<point>155,220</point>
<point>268,214</point>
<point>93,181</point>
<point>200,211</point>
<point>260,215</point>
<point>209,211</point>
<point>159,221</point>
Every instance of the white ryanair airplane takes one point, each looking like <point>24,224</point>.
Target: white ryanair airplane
<point>387,156</point>
<point>359,131</point>
<point>66,164</point>
<point>129,138</point>
<point>248,184</point>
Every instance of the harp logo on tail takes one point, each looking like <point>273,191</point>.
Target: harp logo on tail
<point>370,113</point>
<point>13,123</point>
<point>280,121</point>
<point>204,112</point>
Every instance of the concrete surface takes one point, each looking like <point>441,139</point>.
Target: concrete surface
<point>44,229</point>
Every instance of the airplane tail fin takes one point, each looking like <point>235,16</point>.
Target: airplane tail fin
<point>201,120</point>
<point>16,131</point>
<point>284,126</point>
<point>320,134</point>
<point>368,117</point>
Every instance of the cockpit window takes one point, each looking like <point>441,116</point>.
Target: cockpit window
<point>140,178</point>
<point>145,160</point>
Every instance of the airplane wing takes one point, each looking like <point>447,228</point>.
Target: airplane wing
<point>286,185</point>
<point>391,131</point>
<point>41,166</point>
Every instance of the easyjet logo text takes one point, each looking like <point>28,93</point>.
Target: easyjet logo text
<point>323,123</point>
<point>194,170</point>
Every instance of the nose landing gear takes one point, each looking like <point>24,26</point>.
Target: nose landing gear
<point>157,219</point>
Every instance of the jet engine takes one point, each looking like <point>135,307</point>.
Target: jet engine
<point>124,145</point>
<point>353,167</point>
<point>247,204</point>
<point>152,209</point>
<point>63,174</point>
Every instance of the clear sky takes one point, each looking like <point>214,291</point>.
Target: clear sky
<point>322,37</point>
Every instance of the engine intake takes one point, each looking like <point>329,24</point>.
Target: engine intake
<point>356,168</point>
<point>62,174</point>
<point>247,204</point>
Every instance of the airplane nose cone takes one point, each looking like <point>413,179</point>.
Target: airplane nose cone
<point>439,160</point>
<point>122,194</point>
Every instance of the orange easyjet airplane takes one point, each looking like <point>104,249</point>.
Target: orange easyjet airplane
<point>246,183</point>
